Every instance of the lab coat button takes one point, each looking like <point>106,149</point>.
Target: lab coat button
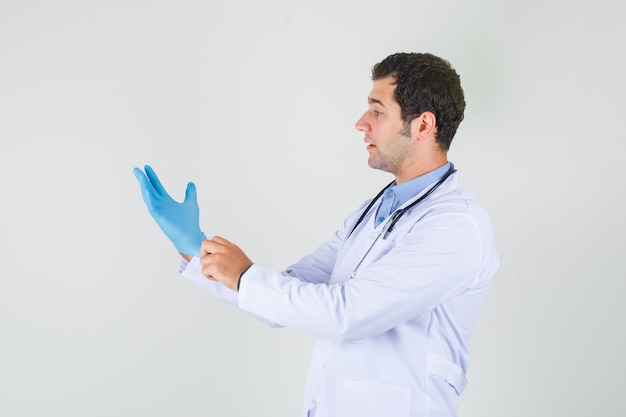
<point>314,402</point>
<point>324,365</point>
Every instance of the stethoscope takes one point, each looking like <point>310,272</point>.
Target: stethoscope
<point>395,217</point>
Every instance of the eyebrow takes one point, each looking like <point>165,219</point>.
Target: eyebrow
<point>371,100</point>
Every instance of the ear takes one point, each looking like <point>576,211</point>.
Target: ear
<point>424,125</point>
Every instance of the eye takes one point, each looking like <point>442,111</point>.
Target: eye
<point>377,113</point>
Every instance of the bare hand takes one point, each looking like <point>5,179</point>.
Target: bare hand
<point>223,261</point>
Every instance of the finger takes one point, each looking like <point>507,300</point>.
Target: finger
<point>216,243</point>
<point>146,188</point>
<point>190,194</point>
<point>207,271</point>
<point>156,183</point>
<point>220,240</point>
<point>207,247</point>
<point>141,177</point>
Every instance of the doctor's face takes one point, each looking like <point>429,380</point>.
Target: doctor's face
<point>386,136</point>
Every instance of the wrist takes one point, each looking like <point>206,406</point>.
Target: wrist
<point>241,275</point>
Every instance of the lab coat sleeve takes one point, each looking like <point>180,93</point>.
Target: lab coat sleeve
<point>441,257</point>
<point>192,271</point>
<point>317,267</point>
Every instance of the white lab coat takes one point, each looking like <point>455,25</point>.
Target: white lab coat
<point>392,341</point>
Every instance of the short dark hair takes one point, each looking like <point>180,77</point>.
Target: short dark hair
<point>425,82</point>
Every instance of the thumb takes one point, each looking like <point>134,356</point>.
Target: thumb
<point>190,194</point>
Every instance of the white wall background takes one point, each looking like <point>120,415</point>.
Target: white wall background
<point>256,102</point>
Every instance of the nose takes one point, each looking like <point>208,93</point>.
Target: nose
<point>362,124</point>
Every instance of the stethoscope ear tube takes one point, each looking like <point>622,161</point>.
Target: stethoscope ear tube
<point>369,206</point>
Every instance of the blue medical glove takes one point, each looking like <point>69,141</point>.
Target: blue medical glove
<point>179,221</point>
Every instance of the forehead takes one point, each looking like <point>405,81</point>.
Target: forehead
<point>382,91</point>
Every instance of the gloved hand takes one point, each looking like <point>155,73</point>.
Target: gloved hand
<point>179,221</point>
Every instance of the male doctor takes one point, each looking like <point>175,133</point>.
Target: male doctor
<point>393,296</point>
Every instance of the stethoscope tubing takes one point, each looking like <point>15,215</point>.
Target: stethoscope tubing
<point>395,217</point>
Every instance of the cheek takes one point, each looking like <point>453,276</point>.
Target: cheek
<point>389,128</point>
<point>386,135</point>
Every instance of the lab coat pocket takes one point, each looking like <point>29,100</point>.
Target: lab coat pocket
<point>367,399</point>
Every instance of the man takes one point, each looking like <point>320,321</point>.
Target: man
<point>393,297</point>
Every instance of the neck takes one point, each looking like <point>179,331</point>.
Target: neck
<point>420,168</point>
